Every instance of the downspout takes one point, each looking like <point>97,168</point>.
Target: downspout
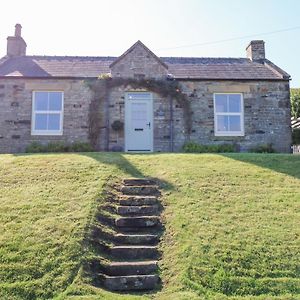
<point>171,129</point>
<point>107,121</point>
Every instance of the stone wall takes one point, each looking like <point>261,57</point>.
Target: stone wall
<point>16,110</point>
<point>139,62</point>
<point>266,113</point>
<point>266,107</point>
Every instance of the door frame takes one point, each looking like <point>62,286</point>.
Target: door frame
<point>126,116</point>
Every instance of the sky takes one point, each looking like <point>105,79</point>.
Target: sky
<point>198,28</point>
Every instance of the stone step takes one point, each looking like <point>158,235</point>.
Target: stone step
<point>127,238</point>
<point>140,230</point>
<point>126,235</point>
<point>112,223</point>
<point>134,252</point>
<point>129,200</point>
<point>136,239</point>
<point>142,221</point>
<point>145,190</point>
<point>130,210</point>
<point>106,219</point>
<point>139,181</point>
<point>129,283</point>
<point>129,268</point>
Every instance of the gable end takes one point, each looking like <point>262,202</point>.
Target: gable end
<point>138,61</point>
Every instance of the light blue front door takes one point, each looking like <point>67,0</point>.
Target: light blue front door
<point>139,122</point>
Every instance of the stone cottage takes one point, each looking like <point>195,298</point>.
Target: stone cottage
<point>141,102</point>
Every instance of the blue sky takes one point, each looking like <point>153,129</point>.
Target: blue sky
<point>97,27</point>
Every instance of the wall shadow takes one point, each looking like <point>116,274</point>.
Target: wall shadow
<point>119,160</point>
<point>287,164</point>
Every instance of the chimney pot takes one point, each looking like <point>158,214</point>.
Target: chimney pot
<point>18,29</point>
<point>256,50</point>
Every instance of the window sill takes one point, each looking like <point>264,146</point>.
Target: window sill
<point>59,133</point>
<point>229,134</point>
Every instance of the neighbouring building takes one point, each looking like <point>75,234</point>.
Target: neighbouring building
<point>244,101</point>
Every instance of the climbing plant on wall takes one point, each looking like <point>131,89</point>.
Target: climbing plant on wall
<point>164,87</point>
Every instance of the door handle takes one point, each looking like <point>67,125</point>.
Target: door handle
<point>148,124</point>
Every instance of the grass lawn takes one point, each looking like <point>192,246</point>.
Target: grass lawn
<point>232,224</point>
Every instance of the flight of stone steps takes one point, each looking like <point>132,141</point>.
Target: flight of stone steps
<point>128,235</point>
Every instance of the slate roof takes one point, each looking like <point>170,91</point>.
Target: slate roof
<point>179,67</point>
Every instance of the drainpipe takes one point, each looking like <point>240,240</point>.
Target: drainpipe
<point>107,121</point>
<point>171,125</point>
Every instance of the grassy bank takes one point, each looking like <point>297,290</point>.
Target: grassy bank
<point>231,224</point>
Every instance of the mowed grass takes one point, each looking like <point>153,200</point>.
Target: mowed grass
<point>232,224</point>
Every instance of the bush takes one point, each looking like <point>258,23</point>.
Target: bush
<point>296,136</point>
<point>263,148</point>
<point>57,147</point>
<point>81,147</point>
<point>192,147</point>
<point>36,147</point>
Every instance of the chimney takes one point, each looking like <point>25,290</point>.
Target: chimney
<point>16,46</point>
<point>256,50</point>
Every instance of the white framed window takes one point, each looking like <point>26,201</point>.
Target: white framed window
<point>47,112</point>
<point>229,114</point>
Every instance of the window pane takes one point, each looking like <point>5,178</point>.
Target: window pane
<point>55,100</point>
<point>234,123</point>
<point>221,103</point>
<point>54,122</point>
<point>40,122</point>
<point>222,123</point>
<point>41,101</point>
<point>234,103</point>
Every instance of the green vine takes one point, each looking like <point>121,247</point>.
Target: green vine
<point>102,86</point>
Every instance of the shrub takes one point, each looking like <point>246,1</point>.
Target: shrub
<point>263,148</point>
<point>81,147</point>
<point>192,147</point>
<point>296,136</point>
<point>36,147</point>
<point>57,147</point>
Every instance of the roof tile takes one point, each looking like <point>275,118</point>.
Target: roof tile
<point>179,67</point>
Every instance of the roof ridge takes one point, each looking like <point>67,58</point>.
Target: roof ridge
<point>70,56</point>
<point>209,57</point>
<point>3,59</point>
<point>115,57</point>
